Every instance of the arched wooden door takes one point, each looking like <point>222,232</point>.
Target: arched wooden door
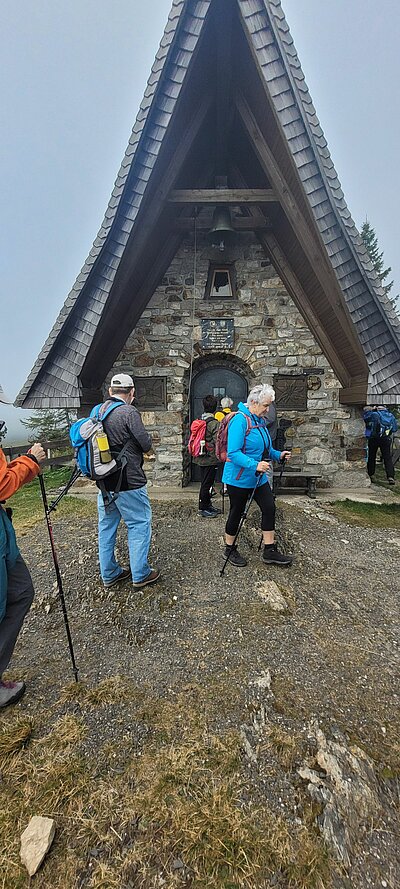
<point>219,381</point>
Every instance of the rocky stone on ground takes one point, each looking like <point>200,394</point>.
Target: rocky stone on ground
<point>270,593</point>
<point>36,841</point>
<point>346,787</point>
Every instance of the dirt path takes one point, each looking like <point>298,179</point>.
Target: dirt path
<point>200,656</point>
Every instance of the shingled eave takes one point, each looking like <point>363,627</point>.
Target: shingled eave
<point>281,70</point>
<point>93,284</point>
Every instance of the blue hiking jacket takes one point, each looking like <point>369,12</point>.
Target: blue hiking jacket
<point>9,553</point>
<point>244,452</point>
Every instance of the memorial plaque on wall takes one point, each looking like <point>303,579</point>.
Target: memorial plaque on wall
<point>217,333</point>
<point>291,392</point>
<point>151,393</point>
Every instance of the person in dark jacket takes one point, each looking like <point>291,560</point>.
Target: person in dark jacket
<point>207,460</point>
<point>125,429</point>
<point>249,453</point>
<point>378,441</point>
<point>16,588</point>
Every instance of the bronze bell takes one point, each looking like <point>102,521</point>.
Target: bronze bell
<point>221,234</point>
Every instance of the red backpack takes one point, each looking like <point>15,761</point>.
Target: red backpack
<point>221,444</point>
<point>198,431</point>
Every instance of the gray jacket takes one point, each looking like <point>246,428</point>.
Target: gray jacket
<point>124,424</point>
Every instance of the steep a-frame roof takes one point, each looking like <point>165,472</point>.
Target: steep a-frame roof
<point>314,243</point>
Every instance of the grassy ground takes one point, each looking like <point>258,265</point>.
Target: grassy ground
<point>169,765</point>
<point>368,515</point>
<point>177,813</point>
<point>27,504</point>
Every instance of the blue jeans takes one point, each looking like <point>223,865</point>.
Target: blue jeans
<point>134,508</point>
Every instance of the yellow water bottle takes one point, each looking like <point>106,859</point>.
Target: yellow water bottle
<point>104,448</point>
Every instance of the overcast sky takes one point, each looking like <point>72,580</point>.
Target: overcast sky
<point>72,75</point>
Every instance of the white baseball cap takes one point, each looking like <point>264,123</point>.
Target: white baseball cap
<point>121,381</point>
<point>3,396</point>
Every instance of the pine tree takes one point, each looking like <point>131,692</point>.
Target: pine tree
<point>3,432</point>
<point>370,239</point>
<point>48,425</point>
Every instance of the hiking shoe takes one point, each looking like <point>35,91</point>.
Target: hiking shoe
<point>125,574</point>
<point>216,510</point>
<point>391,481</point>
<point>234,557</point>
<point>151,578</point>
<point>10,692</point>
<point>213,492</point>
<point>209,513</point>
<point>272,556</point>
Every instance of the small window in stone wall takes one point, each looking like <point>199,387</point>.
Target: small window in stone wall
<point>291,392</point>
<point>221,282</point>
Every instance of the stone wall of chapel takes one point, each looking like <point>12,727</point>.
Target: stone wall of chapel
<point>271,337</point>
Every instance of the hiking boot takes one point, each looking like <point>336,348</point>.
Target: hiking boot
<point>234,556</point>
<point>272,556</point>
<point>10,692</point>
<point>209,513</point>
<point>216,510</point>
<point>151,578</point>
<point>125,574</point>
<point>391,481</point>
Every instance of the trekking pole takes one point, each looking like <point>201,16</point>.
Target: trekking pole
<point>243,518</point>
<point>75,474</point>
<point>58,575</point>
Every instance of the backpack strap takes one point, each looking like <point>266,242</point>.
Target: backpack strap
<point>121,458</point>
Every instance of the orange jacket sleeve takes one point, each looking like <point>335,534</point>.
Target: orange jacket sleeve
<point>15,474</point>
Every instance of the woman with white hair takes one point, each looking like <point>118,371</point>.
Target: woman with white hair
<point>226,408</point>
<point>249,449</point>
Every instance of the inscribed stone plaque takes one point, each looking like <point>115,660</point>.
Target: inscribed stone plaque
<point>151,393</point>
<point>217,333</point>
<point>291,392</point>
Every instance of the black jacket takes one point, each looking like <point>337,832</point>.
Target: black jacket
<point>124,424</point>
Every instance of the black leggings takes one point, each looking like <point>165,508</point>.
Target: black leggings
<point>238,498</point>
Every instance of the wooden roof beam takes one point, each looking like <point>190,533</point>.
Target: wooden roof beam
<point>222,196</point>
<point>242,223</point>
<point>315,254</point>
<point>354,393</point>
<point>301,301</point>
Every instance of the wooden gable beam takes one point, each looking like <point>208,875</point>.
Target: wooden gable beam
<point>239,223</point>
<point>104,349</point>
<point>222,196</point>
<point>302,303</point>
<point>314,254</point>
<point>354,393</point>
<point>272,249</point>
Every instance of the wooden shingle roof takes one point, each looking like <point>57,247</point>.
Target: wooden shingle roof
<point>55,377</point>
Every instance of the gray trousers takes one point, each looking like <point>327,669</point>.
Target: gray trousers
<point>19,600</point>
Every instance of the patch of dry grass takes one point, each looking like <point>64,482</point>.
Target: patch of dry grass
<point>108,691</point>
<point>183,796</point>
<point>14,736</point>
<point>186,803</point>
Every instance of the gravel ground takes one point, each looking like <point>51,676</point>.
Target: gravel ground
<point>333,655</point>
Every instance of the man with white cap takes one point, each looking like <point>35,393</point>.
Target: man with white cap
<point>125,430</point>
<point>16,588</point>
